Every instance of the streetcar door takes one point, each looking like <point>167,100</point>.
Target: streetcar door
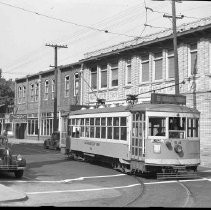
<point>138,127</point>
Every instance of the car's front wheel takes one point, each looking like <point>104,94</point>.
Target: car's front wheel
<point>45,145</point>
<point>18,174</point>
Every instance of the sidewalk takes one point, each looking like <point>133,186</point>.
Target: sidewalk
<point>21,141</point>
<point>8,194</point>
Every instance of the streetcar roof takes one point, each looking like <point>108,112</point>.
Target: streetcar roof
<point>139,107</point>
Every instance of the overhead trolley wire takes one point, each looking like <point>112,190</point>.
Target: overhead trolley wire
<point>65,21</point>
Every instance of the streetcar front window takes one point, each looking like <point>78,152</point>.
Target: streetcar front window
<point>157,126</point>
<point>177,127</point>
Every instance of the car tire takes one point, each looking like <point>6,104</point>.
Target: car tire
<point>45,146</point>
<point>18,174</point>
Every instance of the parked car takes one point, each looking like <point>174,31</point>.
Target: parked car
<point>53,141</point>
<point>9,161</point>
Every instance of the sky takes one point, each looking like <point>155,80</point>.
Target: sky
<point>28,25</point>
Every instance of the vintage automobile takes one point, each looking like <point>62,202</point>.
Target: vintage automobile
<point>10,162</point>
<point>53,141</point>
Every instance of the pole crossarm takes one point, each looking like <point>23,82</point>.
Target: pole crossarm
<point>56,45</point>
<point>169,16</point>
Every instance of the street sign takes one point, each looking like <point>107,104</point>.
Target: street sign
<point>18,118</point>
<point>158,98</point>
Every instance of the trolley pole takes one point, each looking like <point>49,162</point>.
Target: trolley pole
<point>174,26</point>
<point>55,125</point>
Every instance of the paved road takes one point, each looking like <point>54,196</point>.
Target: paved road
<point>52,180</point>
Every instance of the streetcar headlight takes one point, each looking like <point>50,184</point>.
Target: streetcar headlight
<point>19,157</point>
<point>178,148</point>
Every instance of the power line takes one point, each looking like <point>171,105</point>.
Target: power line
<point>124,14</point>
<point>65,21</point>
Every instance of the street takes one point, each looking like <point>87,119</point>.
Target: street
<point>52,180</point>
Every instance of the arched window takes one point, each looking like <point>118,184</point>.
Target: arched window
<point>76,84</point>
<point>46,89</point>
<point>67,86</point>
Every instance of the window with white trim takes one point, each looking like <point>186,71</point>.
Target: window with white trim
<point>19,94</point>
<point>128,72</point>
<point>52,88</point>
<point>36,92</point>
<point>103,76</point>
<point>170,63</point>
<point>114,74</point>
<point>67,86</point>
<point>76,84</point>
<point>158,65</point>
<point>24,93</point>
<point>32,92</point>
<point>94,77</point>
<point>193,58</point>
<point>145,68</point>
<point>32,126</point>
<point>46,89</point>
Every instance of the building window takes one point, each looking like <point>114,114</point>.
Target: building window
<point>67,86</point>
<point>170,61</point>
<point>103,76</point>
<point>158,62</point>
<point>46,89</point>
<point>114,74</point>
<point>94,77</point>
<point>32,92</point>
<point>76,84</point>
<point>32,127</point>
<point>19,94</point>
<point>145,68</point>
<point>128,72</point>
<point>193,58</point>
<point>36,93</point>
<point>52,88</point>
<point>24,93</point>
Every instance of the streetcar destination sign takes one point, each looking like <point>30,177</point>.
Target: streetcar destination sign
<point>158,98</point>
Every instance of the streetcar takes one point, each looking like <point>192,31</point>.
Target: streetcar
<point>145,138</point>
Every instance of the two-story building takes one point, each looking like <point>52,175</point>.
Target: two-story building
<point>34,101</point>
<point>146,65</point>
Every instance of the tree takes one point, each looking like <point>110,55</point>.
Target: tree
<point>7,94</point>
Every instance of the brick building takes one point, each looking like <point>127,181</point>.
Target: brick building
<point>34,101</point>
<point>146,64</point>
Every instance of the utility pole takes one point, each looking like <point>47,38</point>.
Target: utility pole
<point>55,126</point>
<point>176,69</point>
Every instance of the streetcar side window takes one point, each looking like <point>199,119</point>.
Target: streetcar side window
<point>103,127</point>
<point>113,128</point>
<point>157,126</point>
<point>87,130</point>
<point>193,127</point>
<point>109,128</point>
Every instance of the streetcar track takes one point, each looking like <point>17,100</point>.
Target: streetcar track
<point>142,186</point>
<point>190,199</point>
